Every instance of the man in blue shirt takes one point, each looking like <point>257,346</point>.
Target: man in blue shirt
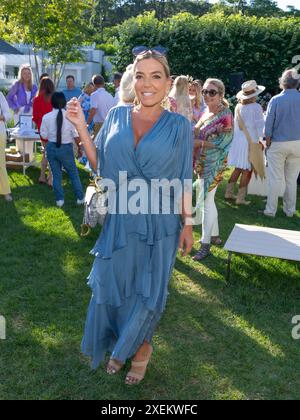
<point>71,91</point>
<point>282,131</point>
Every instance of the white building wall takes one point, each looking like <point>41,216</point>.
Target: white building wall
<point>83,72</point>
<point>9,65</point>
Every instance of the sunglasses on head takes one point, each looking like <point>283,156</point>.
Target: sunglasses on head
<point>210,92</point>
<point>141,50</point>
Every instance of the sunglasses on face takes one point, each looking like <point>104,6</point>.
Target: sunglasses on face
<point>212,93</point>
<point>141,50</point>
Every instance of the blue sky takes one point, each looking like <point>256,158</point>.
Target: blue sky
<point>281,3</point>
<point>284,3</point>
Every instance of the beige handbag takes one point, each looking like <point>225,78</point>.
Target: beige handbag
<point>256,153</point>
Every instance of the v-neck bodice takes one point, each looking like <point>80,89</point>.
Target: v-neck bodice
<point>161,153</point>
<point>148,132</point>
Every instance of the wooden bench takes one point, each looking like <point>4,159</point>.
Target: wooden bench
<point>264,242</point>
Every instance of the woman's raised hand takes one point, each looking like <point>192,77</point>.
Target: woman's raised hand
<point>75,114</point>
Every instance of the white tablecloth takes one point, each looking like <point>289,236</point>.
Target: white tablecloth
<point>25,141</point>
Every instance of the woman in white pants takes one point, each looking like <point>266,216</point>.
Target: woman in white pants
<point>4,116</point>
<point>213,136</point>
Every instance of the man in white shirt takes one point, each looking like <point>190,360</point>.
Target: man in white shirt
<point>101,103</point>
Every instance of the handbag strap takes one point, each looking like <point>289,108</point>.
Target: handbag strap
<point>97,179</point>
<point>243,126</point>
<point>98,166</point>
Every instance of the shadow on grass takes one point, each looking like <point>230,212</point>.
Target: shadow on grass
<point>43,195</point>
<point>213,342</point>
<point>43,292</point>
<point>250,347</point>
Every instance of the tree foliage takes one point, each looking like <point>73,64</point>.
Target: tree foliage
<point>107,13</point>
<point>216,45</point>
<point>56,26</point>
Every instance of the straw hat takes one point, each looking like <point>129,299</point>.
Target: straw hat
<point>249,90</point>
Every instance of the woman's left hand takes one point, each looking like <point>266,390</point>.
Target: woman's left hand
<point>186,240</point>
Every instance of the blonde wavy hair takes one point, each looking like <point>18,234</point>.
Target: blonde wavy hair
<point>224,103</point>
<point>20,77</point>
<point>198,88</point>
<point>180,93</point>
<point>158,57</point>
<point>221,90</point>
<point>127,93</point>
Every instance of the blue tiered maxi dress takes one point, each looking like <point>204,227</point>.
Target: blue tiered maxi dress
<point>135,253</point>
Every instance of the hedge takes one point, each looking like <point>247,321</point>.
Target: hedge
<point>215,45</point>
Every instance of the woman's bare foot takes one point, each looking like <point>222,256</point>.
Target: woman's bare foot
<point>139,364</point>
<point>42,180</point>
<point>113,366</point>
<point>50,181</point>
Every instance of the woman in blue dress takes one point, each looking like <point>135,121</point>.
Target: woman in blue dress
<point>136,251</point>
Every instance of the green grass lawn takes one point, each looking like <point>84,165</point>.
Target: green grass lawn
<point>215,341</point>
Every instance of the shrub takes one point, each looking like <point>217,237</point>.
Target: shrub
<point>4,90</point>
<point>215,45</point>
<point>109,49</point>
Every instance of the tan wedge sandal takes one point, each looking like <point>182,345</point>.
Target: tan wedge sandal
<point>113,367</point>
<point>137,371</point>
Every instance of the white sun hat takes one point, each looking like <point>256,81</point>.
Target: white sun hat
<point>250,89</point>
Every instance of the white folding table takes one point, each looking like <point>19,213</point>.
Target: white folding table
<point>25,139</point>
<point>264,242</point>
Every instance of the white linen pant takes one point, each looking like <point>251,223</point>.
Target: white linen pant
<point>210,223</point>
<point>283,163</point>
<point>4,183</point>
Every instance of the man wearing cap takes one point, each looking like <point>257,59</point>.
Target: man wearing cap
<point>282,131</point>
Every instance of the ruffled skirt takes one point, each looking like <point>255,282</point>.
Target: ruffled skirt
<point>239,153</point>
<point>129,295</point>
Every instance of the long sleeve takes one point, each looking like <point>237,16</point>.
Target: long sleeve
<point>37,112</point>
<point>33,94</point>
<point>100,140</point>
<point>259,121</point>
<point>4,107</point>
<point>211,162</point>
<point>270,119</point>
<point>44,131</point>
<point>224,132</point>
<point>187,154</point>
<point>12,97</point>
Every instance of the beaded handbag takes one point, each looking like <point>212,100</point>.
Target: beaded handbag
<point>95,206</point>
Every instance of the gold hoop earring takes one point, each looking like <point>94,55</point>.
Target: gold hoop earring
<point>165,102</point>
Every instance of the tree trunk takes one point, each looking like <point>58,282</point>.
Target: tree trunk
<point>61,72</point>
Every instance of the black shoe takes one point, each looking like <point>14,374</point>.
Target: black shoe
<point>202,253</point>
